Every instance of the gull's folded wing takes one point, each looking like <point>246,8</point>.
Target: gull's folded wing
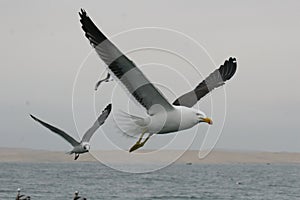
<point>214,80</point>
<point>123,68</point>
<point>101,119</point>
<point>61,133</point>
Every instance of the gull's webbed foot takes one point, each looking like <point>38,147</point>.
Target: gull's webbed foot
<point>139,144</point>
<point>136,146</point>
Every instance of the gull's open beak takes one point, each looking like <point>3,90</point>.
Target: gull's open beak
<point>207,120</point>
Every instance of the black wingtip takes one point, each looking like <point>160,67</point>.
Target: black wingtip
<point>228,69</point>
<point>33,117</point>
<point>108,108</point>
<point>82,12</point>
<point>231,59</point>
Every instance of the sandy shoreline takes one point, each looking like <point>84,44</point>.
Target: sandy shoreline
<point>215,157</point>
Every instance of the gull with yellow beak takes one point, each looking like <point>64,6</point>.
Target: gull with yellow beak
<point>163,117</point>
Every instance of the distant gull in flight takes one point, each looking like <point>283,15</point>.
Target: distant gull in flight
<point>83,146</point>
<point>106,79</point>
<point>163,117</point>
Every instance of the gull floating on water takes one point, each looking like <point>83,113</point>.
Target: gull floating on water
<point>76,197</point>
<point>21,196</point>
<point>83,146</point>
<point>163,117</point>
<point>106,79</point>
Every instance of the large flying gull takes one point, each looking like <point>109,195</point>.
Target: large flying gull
<point>83,146</point>
<point>163,117</point>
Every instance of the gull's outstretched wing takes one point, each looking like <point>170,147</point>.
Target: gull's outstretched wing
<point>61,133</point>
<point>102,80</point>
<point>101,119</point>
<point>214,80</point>
<point>123,68</point>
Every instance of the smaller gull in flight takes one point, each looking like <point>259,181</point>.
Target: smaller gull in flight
<point>83,146</point>
<point>106,79</point>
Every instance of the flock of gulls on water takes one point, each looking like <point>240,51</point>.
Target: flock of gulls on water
<point>163,117</point>
<point>25,197</point>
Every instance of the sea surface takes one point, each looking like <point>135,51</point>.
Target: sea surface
<point>178,181</point>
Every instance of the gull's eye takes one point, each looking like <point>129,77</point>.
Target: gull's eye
<point>86,147</point>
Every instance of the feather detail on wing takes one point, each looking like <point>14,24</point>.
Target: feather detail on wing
<point>214,80</point>
<point>61,133</point>
<point>101,119</point>
<point>123,68</point>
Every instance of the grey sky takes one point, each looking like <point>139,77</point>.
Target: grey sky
<point>42,47</point>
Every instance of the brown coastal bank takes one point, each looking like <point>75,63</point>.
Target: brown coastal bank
<point>214,157</point>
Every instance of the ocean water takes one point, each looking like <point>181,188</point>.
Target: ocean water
<point>178,181</point>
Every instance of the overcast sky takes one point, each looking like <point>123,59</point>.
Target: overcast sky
<point>43,47</point>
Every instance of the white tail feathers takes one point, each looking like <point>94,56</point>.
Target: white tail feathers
<point>130,125</point>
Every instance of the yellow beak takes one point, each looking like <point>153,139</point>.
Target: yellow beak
<point>207,120</point>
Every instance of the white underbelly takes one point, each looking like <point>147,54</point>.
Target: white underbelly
<point>79,149</point>
<point>169,122</point>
